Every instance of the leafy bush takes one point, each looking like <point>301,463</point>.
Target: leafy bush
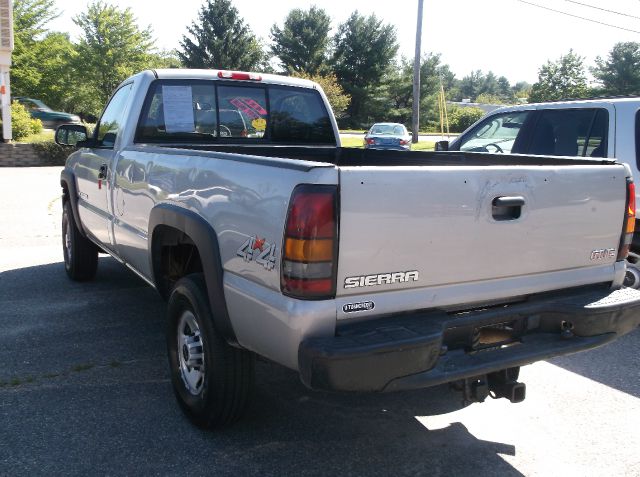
<point>461,118</point>
<point>36,126</point>
<point>21,123</point>
<point>51,153</point>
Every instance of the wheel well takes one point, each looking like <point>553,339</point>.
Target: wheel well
<point>174,255</point>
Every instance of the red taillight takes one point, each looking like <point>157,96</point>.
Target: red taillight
<point>629,224</point>
<point>370,141</point>
<point>403,142</point>
<point>310,243</point>
<point>631,206</point>
<point>237,75</point>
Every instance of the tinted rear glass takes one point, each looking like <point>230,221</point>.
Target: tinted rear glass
<point>209,112</point>
<point>570,132</point>
<point>299,116</point>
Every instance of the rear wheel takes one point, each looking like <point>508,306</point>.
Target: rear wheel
<point>211,379</point>
<point>80,254</point>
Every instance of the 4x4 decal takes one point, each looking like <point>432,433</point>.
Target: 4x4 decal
<point>258,249</point>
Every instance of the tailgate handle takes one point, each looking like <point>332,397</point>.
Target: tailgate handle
<point>507,207</point>
<point>517,201</point>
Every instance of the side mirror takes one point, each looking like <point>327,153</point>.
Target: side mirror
<point>442,146</point>
<point>71,134</point>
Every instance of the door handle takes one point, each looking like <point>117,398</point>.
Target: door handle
<point>102,172</point>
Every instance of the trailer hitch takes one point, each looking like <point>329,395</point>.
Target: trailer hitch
<point>501,384</point>
<point>504,384</point>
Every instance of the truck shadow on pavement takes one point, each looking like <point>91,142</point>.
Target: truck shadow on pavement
<point>84,387</point>
<point>615,365</point>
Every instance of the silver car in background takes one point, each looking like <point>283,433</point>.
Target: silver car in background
<point>388,136</point>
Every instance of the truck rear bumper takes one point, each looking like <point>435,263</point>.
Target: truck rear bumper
<point>425,349</point>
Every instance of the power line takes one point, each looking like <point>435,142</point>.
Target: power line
<point>578,16</point>
<point>603,9</point>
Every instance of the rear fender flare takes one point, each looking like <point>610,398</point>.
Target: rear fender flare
<point>206,241</point>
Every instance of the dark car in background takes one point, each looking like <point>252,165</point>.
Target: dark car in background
<point>387,136</point>
<point>50,118</point>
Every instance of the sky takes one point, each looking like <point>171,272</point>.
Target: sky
<point>512,38</point>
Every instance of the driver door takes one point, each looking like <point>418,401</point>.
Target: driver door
<point>93,172</point>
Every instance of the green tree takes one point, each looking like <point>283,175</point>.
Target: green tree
<point>619,74</point>
<point>477,84</point>
<point>111,48</point>
<point>166,59</point>
<point>302,43</point>
<point>504,90</point>
<point>220,39</point>
<point>521,91</point>
<point>30,58</point>
<point>488,98</point>
<point>490,85</point>
<point>394,100</point>
<point>461,118</point>
<point>364,50</point>
<point>55,55</point>
<point>30,18</point>
<point>471,85</point>
<point>562,79</point>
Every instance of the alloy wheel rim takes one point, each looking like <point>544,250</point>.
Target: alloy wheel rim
<point>190,353</point>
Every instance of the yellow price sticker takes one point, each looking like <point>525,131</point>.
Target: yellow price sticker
<point>259,124</point>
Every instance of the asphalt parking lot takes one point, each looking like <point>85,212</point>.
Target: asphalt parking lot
<point>84,389</point>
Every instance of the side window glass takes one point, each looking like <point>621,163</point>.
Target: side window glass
<point>243,112</point>
<point>562,132</point>
<point>111,120</point>
<point>596,144</point>
<point>497,133</point>
<point>300,117</point>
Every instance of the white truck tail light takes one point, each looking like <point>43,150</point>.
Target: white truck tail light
<point>309,258</point>
<point>629,223</point>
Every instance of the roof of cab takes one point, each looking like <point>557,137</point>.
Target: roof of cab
<point>633,100</point>
<point>176,73</point>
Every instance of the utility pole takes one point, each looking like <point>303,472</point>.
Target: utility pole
<point>415,122</point>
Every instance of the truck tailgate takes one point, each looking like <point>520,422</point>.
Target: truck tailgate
<point>457,224</point>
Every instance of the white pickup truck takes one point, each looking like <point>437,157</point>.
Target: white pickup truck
<point>603,127</point>
<point>364,270</point>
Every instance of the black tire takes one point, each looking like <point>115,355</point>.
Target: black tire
<point>80,254</point>
<point>215,391</point>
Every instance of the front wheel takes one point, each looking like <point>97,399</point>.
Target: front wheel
<point>211,379</point>
<point>80,254</point>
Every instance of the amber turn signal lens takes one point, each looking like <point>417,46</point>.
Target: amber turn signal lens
<point>300,250</point>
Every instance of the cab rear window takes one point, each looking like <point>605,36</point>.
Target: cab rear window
<point>195,111</point>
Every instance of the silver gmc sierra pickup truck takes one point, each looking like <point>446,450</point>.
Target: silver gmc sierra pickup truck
<point>364,270</point>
